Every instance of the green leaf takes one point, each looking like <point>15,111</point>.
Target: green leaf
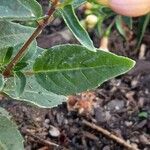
<point>5,55</point>
<point>33,93</point>
<point>10,138</point>
<point>30,52</point>
<point>13,34</point>
<point>128,21</point>
<point>34,6</point>
<point>8,53</point>
<point>75,3</point>
<point>65,2</point>
<point>69,69</point>
<point>19,9</point>
<point>20,83</point>
<point>5,113</point>
<point>27,66</point>
<point>76,28</point>
<point>1,81</point>
<point>2,146</point>
<point>20,66</point>
<point>143,24</point>
<point>143,115</point>
<point>119,26</point>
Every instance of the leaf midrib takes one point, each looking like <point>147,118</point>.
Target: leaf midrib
<point>75,69</point>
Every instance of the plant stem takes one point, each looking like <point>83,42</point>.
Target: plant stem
<point>24,48</point>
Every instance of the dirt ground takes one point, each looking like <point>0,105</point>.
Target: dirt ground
<point>121,105</point>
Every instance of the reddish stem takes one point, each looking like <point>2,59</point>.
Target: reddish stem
<point>24,48</point>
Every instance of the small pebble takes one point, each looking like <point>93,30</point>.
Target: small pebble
<point>141,102</point>
<point>46,125</point>
<point>115,105</point>
<point>134,145</point>
<point>54,132</point>
<point>65,121</point>
<point>38,119</point>
<point>134,83</point>
<point>144,140</point>
<point>106,148</point>
<point>47,121</point>
<point>128,123</point>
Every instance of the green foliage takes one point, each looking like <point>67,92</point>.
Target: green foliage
<point>19,82</point>
<point>33,93</point>
<point>74,25</point>
<point>143,115</point>
<point>143,24</point>
<point>42,77</point>
<point>19,9</point>
<point>1,81</point>
<point>13,34</point>
<point>68,69</point>
<point>34,7</point>
<point>5,56</point>
<point>10,138</point>
<point>30,53</point>
<point>119,25</point>
<point>123,24</point>
<point>75,3</point>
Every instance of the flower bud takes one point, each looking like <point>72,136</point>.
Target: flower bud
<point>91,21</point>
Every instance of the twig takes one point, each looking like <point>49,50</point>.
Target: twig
<point>110,135</point>
<point>21,52</point>
<point>40,140</point>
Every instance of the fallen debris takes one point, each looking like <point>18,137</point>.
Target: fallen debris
<point>110,135</point>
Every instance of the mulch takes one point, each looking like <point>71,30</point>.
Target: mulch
<point>121,105</point>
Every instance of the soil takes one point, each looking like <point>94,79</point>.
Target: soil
<point>121,105</point>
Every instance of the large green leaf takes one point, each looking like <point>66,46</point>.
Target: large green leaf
<point>33,93</point>
<point>19,9</point>
<point>13,34</point>
<point>10,138</point>
<point>68,69</point>
<point>74,25</point>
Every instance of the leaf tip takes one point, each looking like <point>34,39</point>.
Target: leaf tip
<point>131,63</point>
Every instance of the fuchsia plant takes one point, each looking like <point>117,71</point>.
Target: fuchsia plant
<point>44,77</point>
